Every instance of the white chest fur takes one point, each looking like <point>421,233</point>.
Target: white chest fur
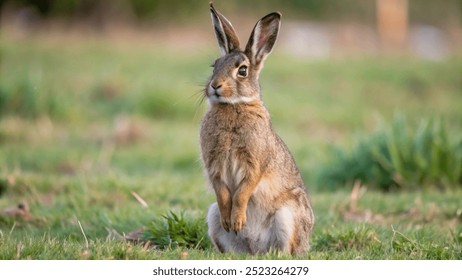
<point>231,171</point>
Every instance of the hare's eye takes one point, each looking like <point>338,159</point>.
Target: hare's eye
<point>242,71</point>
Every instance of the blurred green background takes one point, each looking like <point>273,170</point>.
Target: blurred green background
<point>155,10</point>
<point>100,107</point>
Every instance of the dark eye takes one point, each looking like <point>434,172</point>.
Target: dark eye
<point>242,71</point>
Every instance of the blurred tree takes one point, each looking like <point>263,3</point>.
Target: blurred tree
<point>392,22</point>
<point>42,6</point>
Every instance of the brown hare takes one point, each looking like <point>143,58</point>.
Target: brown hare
<point>262,203</point>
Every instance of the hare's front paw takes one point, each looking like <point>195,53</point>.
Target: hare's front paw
<point>238,220</point>
<point>226,223</point>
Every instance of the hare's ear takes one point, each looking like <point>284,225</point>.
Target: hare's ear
<point>226,36</point>
<point>263,37</point>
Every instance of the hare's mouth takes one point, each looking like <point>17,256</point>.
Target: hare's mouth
<point>216,98</point>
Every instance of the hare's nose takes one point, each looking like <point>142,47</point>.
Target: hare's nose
<point>215,87</point>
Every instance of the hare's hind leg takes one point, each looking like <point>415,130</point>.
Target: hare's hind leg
<point>224,241</point>
<point>289,234</point>
<point>283,229</point>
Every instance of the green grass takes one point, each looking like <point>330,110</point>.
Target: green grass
<point>85,124</point>
<point>398,157</point>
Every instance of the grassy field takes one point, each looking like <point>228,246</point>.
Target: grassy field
<point>99,138</point>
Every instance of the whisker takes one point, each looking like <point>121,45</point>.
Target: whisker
<point>200,100</point>
<point>187,97</point>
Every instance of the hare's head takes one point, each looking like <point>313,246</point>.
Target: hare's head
<point>235,73</point>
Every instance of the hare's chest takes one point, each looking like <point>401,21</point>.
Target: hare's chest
<point>230,147</point>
